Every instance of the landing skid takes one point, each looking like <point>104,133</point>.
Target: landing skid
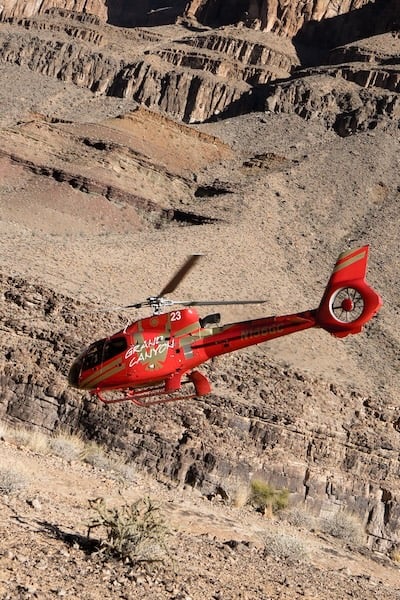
<point>138,397</point>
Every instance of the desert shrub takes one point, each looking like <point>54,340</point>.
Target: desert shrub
<point>240,497</point>
<point>95,455</point>
<point>4,430</point>
<point>284,546</point>
<point>134,532</point>
<point>345,526</point>
<point>395,554</point>
<point>32,439</point>
<point>69,447</point>
<point>266,498</point>
<point>125,470</point>
<point>298,516</point>
<point>11,481</point>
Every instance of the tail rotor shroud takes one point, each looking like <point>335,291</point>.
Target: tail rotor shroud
<point>347,304</point>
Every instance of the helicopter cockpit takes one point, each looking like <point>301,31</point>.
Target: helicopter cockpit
<point>95,355</point>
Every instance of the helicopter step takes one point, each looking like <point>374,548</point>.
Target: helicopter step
<point>201,384</point>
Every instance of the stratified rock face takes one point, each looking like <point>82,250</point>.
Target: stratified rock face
<point>204,74</point>
<point>261,421</point>
<point>29,8</point>
<point>279,16</point>
<point>123,13</point>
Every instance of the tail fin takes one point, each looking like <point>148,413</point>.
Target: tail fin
<point>348,302</point>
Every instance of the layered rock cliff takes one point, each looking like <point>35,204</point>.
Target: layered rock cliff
<point>29,8</point>
<point>260,422</point>
<point>197,76</point>
<point>307,58</point>
<point>278,15</point>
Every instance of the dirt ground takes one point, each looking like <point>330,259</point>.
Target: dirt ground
<point>215,550</point>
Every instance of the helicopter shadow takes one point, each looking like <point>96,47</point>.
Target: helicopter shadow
<point>146,13</point>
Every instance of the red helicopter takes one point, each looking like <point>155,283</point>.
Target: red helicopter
<point>153,357</point>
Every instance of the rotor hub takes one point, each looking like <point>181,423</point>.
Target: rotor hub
<point>347,304</point>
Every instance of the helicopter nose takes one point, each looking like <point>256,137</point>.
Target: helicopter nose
<point>74,373</point>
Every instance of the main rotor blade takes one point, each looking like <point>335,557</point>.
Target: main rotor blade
<point>137,304</point>
<point>179,275</point>
<point>219,302</point>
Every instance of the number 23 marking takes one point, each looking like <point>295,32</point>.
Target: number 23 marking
<point>176,315</point>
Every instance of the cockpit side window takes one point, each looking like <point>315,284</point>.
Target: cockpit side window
<point>93,356</point>
<point>113,347</point>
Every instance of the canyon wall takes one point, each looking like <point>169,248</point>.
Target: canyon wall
<point>202,75</point>
<point>29,8</point>
<point>261,420</point>
<point>347,454</point>
<point>281,17</point>
<point>278,16</point>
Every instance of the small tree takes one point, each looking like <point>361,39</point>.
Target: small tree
<point>267,499</point>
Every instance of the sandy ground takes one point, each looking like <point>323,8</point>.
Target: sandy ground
<point>215,550</point>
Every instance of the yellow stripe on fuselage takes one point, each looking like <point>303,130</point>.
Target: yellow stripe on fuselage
<point>102,374</point>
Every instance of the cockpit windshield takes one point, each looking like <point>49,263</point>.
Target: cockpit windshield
<point>102,351</point>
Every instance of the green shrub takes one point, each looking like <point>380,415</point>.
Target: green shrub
<point>267,499</point>
<point>134,532</point>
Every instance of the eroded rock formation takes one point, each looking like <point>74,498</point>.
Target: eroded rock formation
<point>29,8</point>
<point>344,454</point>
<point>348,453</point>
<point>198,76</point>
<point>280,16</point>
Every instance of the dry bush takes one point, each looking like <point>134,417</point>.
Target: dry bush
<point>267,499</point>
<point>95,455</point>
<point>126,471</point>
<point>4,431</point>
<point>395,554</point>
<point>134,533</point>
<point>345,526</point>
<point>284,546</point>
<point>241,496</point>
<point>67,446</point>
<point>11,481</point>
<point>32,439</point>
<point>29,438</point>
<point>299,516</point>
